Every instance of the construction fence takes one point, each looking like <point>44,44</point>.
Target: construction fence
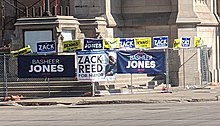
<point>11,84</point>
<point>69,85</point>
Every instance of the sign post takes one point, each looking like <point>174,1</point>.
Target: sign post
<point>48,82</point>
<point>5,77</point>
<point>185,43</point>
<point>167,69</point>
<point>93,89</point>
<point>131,84</point>
<point>184,77</point>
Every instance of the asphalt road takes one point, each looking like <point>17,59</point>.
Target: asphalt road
<point>162,114</point>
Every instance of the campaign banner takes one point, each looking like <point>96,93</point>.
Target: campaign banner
<point>176,44</point>
<point>198,41</point>
<point>111,43</point>
<point>140,62</point>
<point>71,45</point>
<point>111,68</point>
<point>91,65</point>
<point>127,43</point>
<point>160,42</point>
<point>22,51</point>
<point>40,66</point>
<point>93,44</point>
<point>142,43</point>
<point>185,42</point>
<point>46,47</point>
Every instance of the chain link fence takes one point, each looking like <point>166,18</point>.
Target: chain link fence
<point>11,84</point>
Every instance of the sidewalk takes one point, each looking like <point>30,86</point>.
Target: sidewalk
<point>211,93</point>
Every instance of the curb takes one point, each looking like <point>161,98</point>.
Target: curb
<point>88,102</point>
<point>9,104</point>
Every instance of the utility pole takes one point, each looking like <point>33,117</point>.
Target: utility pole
<point>2,22</point>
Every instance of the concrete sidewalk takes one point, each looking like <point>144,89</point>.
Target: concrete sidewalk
<point>152,96</point>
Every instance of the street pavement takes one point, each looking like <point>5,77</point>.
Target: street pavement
<point>173,94</point>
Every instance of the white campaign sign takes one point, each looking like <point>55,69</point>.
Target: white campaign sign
<point>91,67</point>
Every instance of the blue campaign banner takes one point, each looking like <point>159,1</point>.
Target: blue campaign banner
<point>46,47</point>
<point>141,62</point>
<point>127,43</point>
<point>160,42</point>
<point>40,66</point>
<point>93,44</point>
<point>185,43</point>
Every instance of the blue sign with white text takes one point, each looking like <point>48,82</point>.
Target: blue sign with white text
<point>41,66</point>
<point>141,62</point>
<point>185,43</point>
<point>160,42</point>
<point>91,44</point>
<point>46,47</point>
<point>127,43</point>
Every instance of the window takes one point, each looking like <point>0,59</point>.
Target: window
<point>32,37</point>
<point>68,35</point>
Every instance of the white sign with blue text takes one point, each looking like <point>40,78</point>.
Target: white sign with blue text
<point>185,42</point>
<point>46,47</point>
<point>127,43</point>
<point>160,42</point>
<point>91,65</point>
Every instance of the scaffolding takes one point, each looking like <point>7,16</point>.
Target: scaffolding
<point>35,9</point>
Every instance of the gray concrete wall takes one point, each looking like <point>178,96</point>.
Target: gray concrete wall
<point>87,8</point>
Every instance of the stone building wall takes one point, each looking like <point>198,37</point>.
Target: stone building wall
<point>174,18</point>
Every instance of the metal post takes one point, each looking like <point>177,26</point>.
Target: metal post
<point>5,77</point>
<point>48,83</point>
<point>131,84</point>
<point>184,77</point>
<point>167,69</point>
<point>93,89</point>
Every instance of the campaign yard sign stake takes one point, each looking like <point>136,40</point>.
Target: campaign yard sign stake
<point>40,66</point>
<point>91,65</point>
<point>141,62</point>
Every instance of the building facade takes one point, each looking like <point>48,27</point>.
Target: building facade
<point>143,18</point>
